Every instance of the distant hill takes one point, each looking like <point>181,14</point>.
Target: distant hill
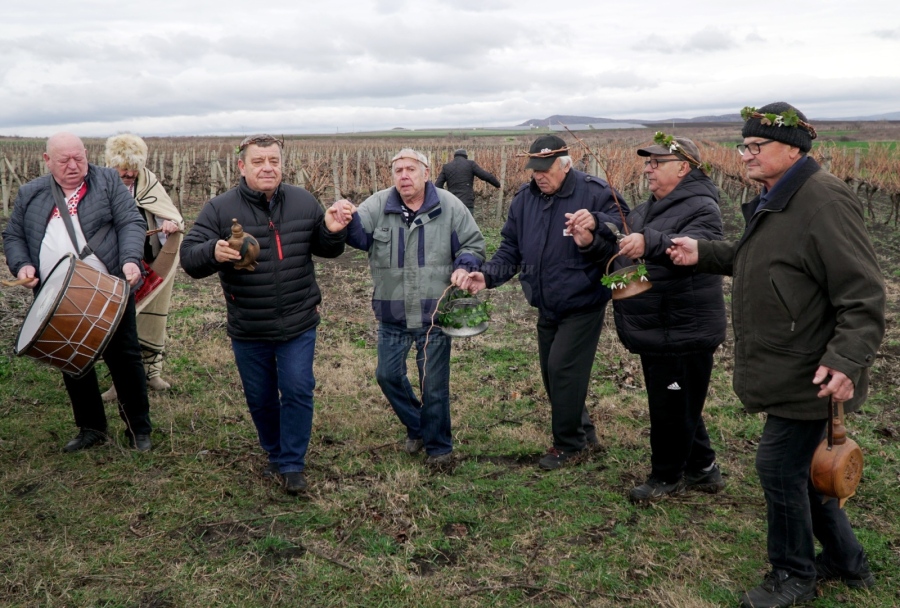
<point>556,119</point>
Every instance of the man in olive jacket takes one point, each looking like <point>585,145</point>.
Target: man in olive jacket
<point>808,314</point>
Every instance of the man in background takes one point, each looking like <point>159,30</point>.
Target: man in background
<point>459,175</point>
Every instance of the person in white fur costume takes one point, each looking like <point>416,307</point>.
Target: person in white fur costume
<point>127,153</point>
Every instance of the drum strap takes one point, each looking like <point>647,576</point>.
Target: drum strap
<point>60,200</point>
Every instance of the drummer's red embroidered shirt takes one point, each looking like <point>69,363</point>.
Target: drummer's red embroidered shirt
<point>56,241</point>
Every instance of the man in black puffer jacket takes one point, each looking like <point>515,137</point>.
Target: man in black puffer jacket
<point>272,315</point>
<point>677,325</point>
<point>459,175</point>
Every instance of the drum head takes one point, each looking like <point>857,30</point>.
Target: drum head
<point>45,302</point>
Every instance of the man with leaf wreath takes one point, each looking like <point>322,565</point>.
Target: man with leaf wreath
<point>808,314</point>
<point>560,279</point>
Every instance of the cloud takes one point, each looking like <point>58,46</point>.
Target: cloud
<point>893,34</point>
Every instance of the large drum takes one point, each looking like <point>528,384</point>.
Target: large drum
<point>73,316</point>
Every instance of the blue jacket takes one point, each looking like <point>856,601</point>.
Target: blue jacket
<point>107,201</point>
<point>557,278</point>
<point>411,265</point>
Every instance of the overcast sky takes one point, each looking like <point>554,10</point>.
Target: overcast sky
<point>225,67</point>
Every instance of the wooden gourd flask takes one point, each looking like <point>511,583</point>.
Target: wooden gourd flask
<point>837,463</point>
<point>244,244</point>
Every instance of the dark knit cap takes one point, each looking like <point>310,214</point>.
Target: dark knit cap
<point>792,136</point>
<point>461,152</point>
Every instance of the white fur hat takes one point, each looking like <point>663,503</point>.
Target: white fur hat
<point>126,151</point>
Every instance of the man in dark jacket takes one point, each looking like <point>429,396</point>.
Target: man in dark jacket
<point>560,281</point>
<point>677,325</point>
<point>37,237</point>
<point>808,313</point>
<point>459,175</point>
<point>272,315</point>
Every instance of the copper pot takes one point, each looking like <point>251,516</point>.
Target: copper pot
<point>837,464</point>
<point>632,287</point>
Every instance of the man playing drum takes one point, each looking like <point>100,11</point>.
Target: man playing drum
<point>37,237</point>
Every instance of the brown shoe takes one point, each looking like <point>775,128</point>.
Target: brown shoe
<point>111,394</point>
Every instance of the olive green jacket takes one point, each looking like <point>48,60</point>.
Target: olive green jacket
<point>807,291</point>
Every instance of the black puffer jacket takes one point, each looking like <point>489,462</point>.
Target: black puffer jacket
<point>684,311</point>
<point>276,301</point>
<point>459,175</point>
<point>107,201</point>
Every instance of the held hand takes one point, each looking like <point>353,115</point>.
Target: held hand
<point>27,272</point>
<point>839,386</point>
<point>632,246</point>
<point>339,215</point>
<point>582,218</point>
<point>132,273</point>
<point>224,253</point>
<point>473,282</point>
<point>168,227</point>
<point>684,251</point>
<point>459,276</point>
<point>582,236</point>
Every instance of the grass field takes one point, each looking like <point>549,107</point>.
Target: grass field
<point>192,524</point>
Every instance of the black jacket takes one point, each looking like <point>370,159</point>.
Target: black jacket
<point>459,175</point>
<point>276,301</point>
<point>684,311</point>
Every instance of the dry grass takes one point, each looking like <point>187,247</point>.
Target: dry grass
<point>191,524</point>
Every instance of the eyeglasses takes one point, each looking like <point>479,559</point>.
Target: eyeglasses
<point>753,147</point>
<point>262,140</point>
<point>653,163</point>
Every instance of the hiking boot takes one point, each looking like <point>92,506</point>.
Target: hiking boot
<point>861,579</point>
<point>111,394</point>
<point>414,446</point>
<point>591,442</point>
<point>440,461</point>
<point>554,458</point>
<point>156,383</point>
<point>294,482</point>
<point>270,472</point>
<point>654,489</point>
<point>779,590</point>
<point>705,481</point>
<point>141,443</point>
<point>86,438</point>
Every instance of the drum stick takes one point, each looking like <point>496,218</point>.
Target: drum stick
<point>16,283</point>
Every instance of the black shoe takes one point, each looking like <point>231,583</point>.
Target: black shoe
<point>86,438</point>
<point>592,443</point>
<point>294,482</point>
<point>141,443</point>
<point>554,458</point>
<point>861,579</point>
<point>779,590</point>
<point>270,472</point>
<point>655,488</point>
<point>440,462</point>
<point>705,481</point>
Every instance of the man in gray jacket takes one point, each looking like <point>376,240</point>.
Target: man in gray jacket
<point>417,236</point>
<point>808,314</point>
<point>36,238</point>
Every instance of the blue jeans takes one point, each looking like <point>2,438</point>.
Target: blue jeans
<point>283,423</point>
<point>428,419</point>
<point>794,508</point>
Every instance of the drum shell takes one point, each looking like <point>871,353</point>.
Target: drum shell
<point>85,314</point>
<point>837,472</point>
